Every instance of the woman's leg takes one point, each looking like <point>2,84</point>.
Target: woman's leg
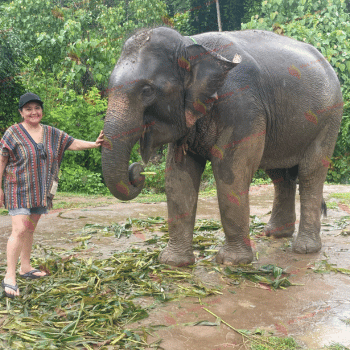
<point>31,223</point>
<point>14,248</point>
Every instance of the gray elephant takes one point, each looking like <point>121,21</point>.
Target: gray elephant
<point>243,100</point>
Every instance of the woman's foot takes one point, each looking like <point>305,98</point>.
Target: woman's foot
<point>31,273</point>
<point>12,291</point>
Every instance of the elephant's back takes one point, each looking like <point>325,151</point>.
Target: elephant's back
<point>267,51</point>
<point>279,68</point>
<point>289,83</point>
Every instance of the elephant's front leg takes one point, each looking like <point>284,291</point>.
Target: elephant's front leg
<point>234,211</point>
<point>182,179</point>
<point>233,177</point>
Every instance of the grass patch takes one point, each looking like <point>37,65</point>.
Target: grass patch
<point>66,200</point>
<point>150,198</point>
<point>276,343</point>
<point>345,195</point>
<point>336,346</point>
<point>332,205</point>
<point>208,192</point>
<point>344,198</point>
<point>78,205</point>
<point>62,195</point>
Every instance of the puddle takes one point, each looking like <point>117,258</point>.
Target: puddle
<point>311,312</point>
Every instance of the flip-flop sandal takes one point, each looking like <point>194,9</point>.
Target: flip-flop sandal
<point>5,285</point>
<point>31,275</point>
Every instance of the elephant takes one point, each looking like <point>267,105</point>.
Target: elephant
<point>243,100</point>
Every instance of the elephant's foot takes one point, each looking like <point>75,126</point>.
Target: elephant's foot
<point>279,230</point>
<point>168,256</point>
<point>229,256</point>
<point>304,244</point>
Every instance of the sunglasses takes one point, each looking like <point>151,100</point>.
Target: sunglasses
<point>42,151</point>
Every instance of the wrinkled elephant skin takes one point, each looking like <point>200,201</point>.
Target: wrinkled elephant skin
<point>244,101</point>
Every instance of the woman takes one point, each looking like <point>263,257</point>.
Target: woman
<point>30,157</point>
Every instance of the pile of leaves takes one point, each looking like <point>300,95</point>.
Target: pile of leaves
<point>260,275</point>
<point>89,303</point>
<point>86,303</point>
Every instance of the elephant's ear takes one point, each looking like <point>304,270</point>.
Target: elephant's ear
<point>205,73</point>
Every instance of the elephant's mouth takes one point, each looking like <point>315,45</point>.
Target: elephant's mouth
<point>146,139</point>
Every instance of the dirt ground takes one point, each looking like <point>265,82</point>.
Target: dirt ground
<point>313,313</point>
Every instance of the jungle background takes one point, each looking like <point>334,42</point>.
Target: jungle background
<point>65,51</point>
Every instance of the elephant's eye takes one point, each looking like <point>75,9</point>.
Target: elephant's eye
<point>147,90</point>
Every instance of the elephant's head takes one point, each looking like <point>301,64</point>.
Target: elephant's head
<point>159,88</point>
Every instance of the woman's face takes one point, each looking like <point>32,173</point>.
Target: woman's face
<point>32,113</point>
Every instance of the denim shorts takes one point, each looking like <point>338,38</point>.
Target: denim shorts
<point>28,211</point>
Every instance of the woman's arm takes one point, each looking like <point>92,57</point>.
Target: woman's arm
<point>79,145</point>
<point>3,163</point>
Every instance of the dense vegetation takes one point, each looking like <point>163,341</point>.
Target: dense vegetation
<point>65,50</point>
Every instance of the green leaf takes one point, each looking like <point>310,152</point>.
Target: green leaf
<point>68,327</point>
<point>40,38</point>
<point>205,323</point>
<point>348,65</point>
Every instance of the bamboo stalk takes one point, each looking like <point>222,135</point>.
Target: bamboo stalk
<point>251,338</point>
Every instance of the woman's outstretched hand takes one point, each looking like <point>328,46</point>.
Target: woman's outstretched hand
<point>100,139</point>
<point>1,197</point>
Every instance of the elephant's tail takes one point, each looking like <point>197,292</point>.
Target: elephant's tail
<point>324,208</point>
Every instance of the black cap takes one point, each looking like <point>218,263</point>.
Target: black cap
<point>28,97</point>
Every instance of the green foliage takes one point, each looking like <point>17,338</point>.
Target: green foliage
<point>155,183</point>
<point>77,179</point>
<point>12,58</point>
<point>251,8</point>
<point>195,16</point>
<point>325,25</point>
<point>80,116</point>
<point>182,23</point>
<point>80,42</point>
<point>204,16</point>
<point>235,12</point>
<point>208,180</point>
<point>178,6</point>
<point>339,171</point>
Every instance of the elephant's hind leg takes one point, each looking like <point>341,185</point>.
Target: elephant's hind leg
<point>311,189</point>
<point>312,174</point>
<point>282,220</point>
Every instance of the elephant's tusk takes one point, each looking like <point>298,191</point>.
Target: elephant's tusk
<point>237,58</point>
<point>215,96</point>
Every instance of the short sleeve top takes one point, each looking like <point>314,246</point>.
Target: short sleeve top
<point>29,176</point>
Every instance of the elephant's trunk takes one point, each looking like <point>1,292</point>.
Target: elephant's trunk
<point>121,134</point>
